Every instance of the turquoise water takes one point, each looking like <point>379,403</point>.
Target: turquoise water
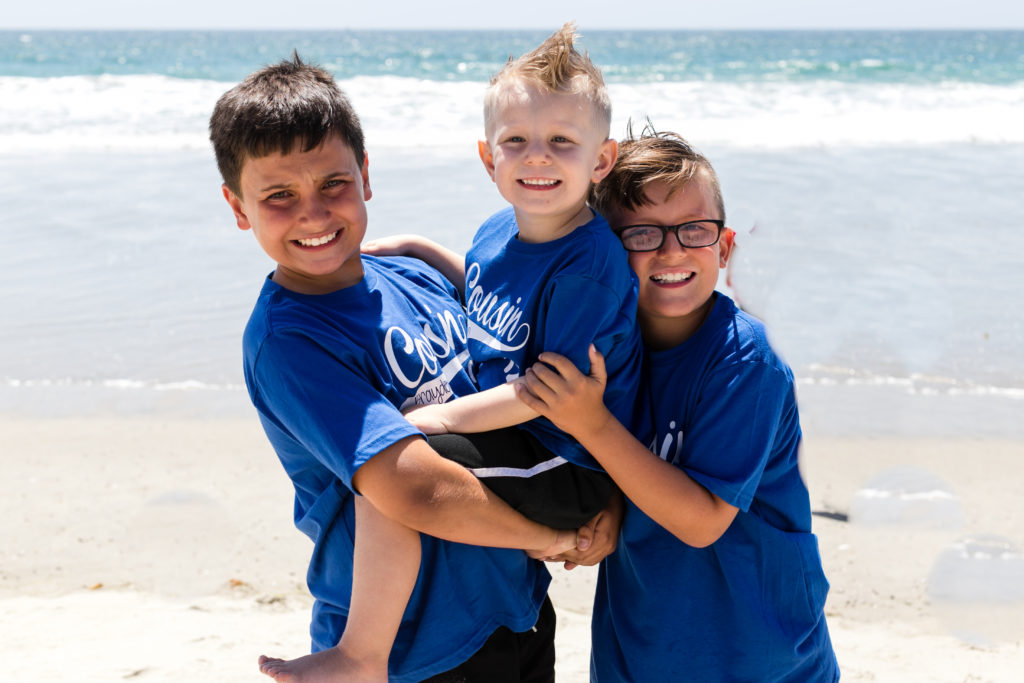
<point>991,57</point>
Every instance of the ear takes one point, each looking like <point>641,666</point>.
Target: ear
<point>367,192</point>
<point>606,156</point>
<point>484,149</point>
<point>726,244</point>
<point>235,202</point>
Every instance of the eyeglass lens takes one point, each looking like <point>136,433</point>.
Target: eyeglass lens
<point>651,237</point>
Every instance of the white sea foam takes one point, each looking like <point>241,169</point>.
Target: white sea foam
<point>912,385</point>
<point>118,384</point>
<point>157,112</point>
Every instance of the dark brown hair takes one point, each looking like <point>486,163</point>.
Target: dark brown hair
<point>276,108</point>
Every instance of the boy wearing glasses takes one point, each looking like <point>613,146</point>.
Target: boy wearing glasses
<point>716,550</point>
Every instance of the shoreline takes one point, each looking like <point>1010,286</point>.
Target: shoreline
<point>162,548</point>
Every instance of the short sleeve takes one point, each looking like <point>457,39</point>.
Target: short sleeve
<point>732,431</point>
<point>580,311</point>
<point>328,405</point>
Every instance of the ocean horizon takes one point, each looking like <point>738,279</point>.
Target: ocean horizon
<point>872,176</point>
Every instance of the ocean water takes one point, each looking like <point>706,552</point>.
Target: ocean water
<point>874,180</point>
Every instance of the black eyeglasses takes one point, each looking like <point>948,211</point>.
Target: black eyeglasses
<point>692,235</point>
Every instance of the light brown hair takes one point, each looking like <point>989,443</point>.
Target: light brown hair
<point>652,157</point>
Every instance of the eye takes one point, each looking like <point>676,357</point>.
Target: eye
<point>698,234</point>
<point>278,196</point>
<point>642,237</point>
<point>335,183</point>
<point>560,139</point>
<point>515,139</point>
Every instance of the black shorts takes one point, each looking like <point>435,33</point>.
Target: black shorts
<point>509,657</point>
<point>521,471</point>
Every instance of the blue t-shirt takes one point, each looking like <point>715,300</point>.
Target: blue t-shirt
<point>560,296</point>
<point>328,375</point>
<point>749,607</point>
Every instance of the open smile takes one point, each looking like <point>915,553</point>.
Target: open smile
<point>311,242</point>
<point>539,183</point>
<point>672,278</point>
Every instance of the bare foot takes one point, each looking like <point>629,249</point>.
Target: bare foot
<point>327,666</point>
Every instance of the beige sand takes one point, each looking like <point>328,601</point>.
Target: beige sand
<point>155,550</point>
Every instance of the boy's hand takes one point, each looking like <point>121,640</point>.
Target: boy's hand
<point>429,418</point>
<point>565,541</point>
<point>392,245</point>
<point>556,389</point>
<point>598,538</point>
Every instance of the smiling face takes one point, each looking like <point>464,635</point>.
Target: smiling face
<point>676,284</point>
<point>308,213</point>
<point>543,150</point>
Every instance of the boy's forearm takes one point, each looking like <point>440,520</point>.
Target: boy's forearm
<point>664,492</point>
<point>668,495</point>
<point>413,485</point>
<point>485,411</point>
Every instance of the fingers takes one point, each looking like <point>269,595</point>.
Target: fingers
<point>563,365</point>
<point>564,368</point>
<point>525,393</point>
<point>584,538</point>
<point>541,382</point>
<point>597,367</point>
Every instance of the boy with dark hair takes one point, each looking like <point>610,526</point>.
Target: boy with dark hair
<point>332,351</point>
<point>717,575</point>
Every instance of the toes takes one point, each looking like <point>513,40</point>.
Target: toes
<point>270,665</point>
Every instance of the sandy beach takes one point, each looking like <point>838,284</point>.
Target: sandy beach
<point>162,550</point>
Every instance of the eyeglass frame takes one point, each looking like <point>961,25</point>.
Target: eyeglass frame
<point>720,224</point>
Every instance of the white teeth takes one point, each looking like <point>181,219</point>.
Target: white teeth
<point>538,181</point>
<point>672,277</point>
<point>317,241</point>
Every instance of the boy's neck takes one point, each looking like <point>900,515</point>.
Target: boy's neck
<point>660,333</point>
<point>350,274</point>
<point>540,229</point>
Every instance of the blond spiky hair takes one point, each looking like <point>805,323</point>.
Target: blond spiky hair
<point>553,66</point>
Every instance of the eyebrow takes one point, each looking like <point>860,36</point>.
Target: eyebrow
<point>276,186</point>
<point>287,186</point>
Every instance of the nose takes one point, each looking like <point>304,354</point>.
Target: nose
<point>671,246</point>
<point>537,152</point>
<point>314,209</point>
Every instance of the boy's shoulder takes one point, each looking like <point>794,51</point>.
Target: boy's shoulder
<point>387,283</point>
<point>412,270</point>
<point>740,336</point>
<point>500,224</point>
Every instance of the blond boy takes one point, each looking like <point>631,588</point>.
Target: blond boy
<point>544,274</point>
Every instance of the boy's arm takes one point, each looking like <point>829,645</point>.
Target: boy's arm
<point>485,411</point>
<point>413,485</point>
<point>669,496</point>
<point>449,263</point>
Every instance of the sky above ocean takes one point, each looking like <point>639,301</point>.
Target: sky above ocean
<point>537,14</point>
